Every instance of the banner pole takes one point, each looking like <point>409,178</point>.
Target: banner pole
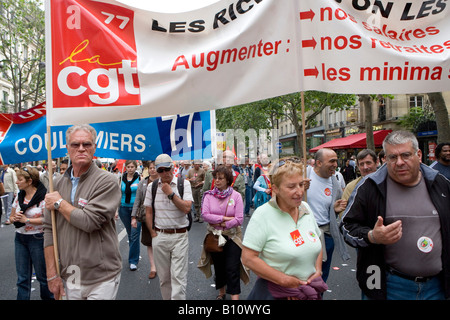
<point>50,185</point>
<point>304,138</point>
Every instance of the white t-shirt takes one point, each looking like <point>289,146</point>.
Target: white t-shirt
<point>31,213</point>
<point>319,197</point>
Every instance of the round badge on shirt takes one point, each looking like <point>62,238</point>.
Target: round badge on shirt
<point>425,244</point>
<point>312,236</point>
<point>327,192</point>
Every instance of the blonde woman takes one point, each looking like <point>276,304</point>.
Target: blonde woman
<point>282,240</point>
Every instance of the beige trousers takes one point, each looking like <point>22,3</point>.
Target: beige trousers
<point>106,290</point>
<point>170,252</point>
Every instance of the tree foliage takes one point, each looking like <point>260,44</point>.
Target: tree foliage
<point>263,114</point>
<point>415,117</point>
<point>22,50</point>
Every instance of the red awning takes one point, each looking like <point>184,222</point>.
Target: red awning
<point>355,141</point>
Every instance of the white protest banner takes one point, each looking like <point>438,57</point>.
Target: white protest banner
<point>375,47</point>
<point>108,61</point>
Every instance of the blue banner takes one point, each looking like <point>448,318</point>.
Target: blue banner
<point>183,137</point>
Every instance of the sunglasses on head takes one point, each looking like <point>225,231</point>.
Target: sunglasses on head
<point>283,162</point>
<point>161,170</point>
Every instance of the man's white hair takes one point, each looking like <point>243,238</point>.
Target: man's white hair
<point>84,127</point>
<point>401,137</point>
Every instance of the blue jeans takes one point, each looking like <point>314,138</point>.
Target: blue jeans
<point>399,288</point>
<point>329,247</point>
<point>133,234</point>
<point>29,252</point>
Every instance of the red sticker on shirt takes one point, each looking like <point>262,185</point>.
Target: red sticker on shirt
<point>298,240</point>
<point>327,192</point>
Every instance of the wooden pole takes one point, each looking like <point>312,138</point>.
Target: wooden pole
<point>50,186</point>
<point>304,138</point>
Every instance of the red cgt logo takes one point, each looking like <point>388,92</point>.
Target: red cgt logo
<point>298,240</point>
<point>94,57</point>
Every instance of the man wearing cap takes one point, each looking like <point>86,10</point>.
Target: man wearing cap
<point>169,229</point>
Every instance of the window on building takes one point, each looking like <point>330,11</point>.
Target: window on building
<point>5,96</point>
<point>416,101</point>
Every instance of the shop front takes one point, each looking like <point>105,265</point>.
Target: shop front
<point>350,145</point>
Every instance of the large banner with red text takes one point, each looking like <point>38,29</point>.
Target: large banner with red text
<point>107,61</point>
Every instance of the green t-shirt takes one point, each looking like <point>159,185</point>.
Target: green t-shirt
<point>287,246</point>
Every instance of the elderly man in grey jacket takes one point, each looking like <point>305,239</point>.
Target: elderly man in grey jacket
<point>86,199</point>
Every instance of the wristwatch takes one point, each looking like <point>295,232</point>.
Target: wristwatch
<point>170,196</point>
<point>57,204</point>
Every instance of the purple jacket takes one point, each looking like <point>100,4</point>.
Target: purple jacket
<point>213,210</point>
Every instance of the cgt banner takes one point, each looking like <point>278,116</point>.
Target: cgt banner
<point>108,61</point>
<point>24,137</point>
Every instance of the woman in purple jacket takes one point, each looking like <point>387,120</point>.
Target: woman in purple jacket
<point>223,209</point>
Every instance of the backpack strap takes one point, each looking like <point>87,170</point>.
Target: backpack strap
<point>154,188</point>
<point>180,187</point>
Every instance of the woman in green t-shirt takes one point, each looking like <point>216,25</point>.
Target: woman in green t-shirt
<point>282,240</point>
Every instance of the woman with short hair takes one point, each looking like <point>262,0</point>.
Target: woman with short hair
<point>223,209</point>
<point>282,240</point>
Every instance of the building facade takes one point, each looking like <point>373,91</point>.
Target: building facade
<point>386,112</point>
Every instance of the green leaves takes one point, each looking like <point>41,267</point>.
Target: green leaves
<point>22,51</point>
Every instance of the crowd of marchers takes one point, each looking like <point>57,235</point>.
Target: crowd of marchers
<point>395,211</point>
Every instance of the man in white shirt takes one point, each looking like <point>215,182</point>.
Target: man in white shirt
<point>324,198</point>
<point>169,229</point>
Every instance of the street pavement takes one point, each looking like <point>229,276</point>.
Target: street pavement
<point>135,285</point>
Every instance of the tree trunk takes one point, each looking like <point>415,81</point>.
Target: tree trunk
<point>367,103</point>
<point>300,141</point>
<point>442,121</point>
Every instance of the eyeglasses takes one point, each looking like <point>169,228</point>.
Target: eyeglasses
<point>393,158</point>
<point>161,170</point>
<point>76,145</point>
